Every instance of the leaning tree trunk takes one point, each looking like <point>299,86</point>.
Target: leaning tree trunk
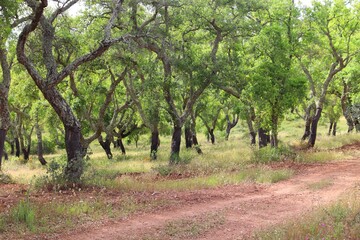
<point>230,125</point>
<point>155,142</point>
<point>121,145</point>
<point>106,146</point>
<point>315,121</point>
<point>175,145</point>
<point>334,129</point>
<point>73,136</point>
<point>307,131</point>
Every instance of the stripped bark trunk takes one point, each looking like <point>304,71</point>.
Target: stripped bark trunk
<point>313,132</point>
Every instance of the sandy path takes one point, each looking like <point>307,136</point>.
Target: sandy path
<point>246,207</point>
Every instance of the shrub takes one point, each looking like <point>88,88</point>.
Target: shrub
<point>54,177</point>
<point>268,154</point>
<point>163,170</point>
<point>5,179</point>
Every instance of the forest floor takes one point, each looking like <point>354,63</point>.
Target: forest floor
<point>228,212</point>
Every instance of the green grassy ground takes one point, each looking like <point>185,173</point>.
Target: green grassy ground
<point>226,162</point>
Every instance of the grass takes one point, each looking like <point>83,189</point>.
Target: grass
<point>151,182</point>
<point>340,220</point>
<point>321,184</point>
<point>33,217</point>
<point>190,227</point>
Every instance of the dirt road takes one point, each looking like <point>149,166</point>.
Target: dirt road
<point>243,208</point>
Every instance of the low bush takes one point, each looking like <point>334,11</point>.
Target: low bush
<point>268,154</point>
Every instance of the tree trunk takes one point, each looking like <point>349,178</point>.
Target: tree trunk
<point>330,127</point>
<point>4,93</point>
<point>212,136</point>
<point>345,102</point>
<point>188,137</point>
<point>121,145</point>
<point>12,147</point>
<point>253,138</point>
<point>175,145</point>
<point>309,115</point>
<point>315,121</point>
<point>74,149</point>
<point>155,142</point>
<point>75,153</point>
<point>196,144</point>
<point>263,138</point>
<point>228,129</point>
<point>252,132</point>
<point>307,131</point>
<point>274,142</point>
<point>40,150</point>
<point>17,147</point>
<point>230,125</point>
<point>193,133</point>
<point>334,129</point>
<point>26,153</point>
<point>106,146</point>
<point>2,144</point>
<point>357,125</point>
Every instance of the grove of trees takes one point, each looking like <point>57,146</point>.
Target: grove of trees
<point>79,71</point>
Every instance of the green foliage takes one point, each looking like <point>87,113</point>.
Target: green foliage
<point>49,146</point>
<point>268,154</point>
<point>8,12</point>
<point>163,170</point>
<point>54,179</point>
